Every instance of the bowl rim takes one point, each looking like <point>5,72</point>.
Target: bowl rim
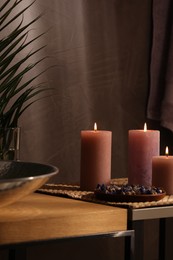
<point>53,172</point>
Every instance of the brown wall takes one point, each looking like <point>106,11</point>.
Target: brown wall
<point>100,50</point>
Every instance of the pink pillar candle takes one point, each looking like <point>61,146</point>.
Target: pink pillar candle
<point>162,173</point>
<point>142,146</point>
<point>95,158</point>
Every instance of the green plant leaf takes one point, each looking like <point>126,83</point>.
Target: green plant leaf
<point>16,93</point>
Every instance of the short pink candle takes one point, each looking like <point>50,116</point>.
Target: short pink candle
<point>142,146</point>
<point>95,158</point>
<point>162,173</point>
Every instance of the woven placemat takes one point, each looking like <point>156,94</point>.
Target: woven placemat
<point>74,192</point>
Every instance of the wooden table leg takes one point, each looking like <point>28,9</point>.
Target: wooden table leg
<point>130,245</point>
<point>138,227</point>
<point>162,238</point>
<point>18,253</point>
<point>12,254</point>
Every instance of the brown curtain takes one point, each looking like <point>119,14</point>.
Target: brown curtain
<point>99,51</point>
<point>160,104</point>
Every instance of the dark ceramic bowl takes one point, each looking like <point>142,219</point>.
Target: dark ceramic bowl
<point>18,179</point>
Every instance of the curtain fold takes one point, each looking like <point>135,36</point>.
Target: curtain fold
<point>160,102</point>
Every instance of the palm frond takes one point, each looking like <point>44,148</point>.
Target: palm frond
<point>16,93</point>
<point>3,6</point>
<point>7,13</point>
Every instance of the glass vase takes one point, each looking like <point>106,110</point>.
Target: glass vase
<point>9,143</point>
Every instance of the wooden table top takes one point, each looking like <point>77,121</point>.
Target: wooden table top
<point>40,217</point>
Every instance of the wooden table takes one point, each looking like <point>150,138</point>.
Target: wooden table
<point>39,217</point>
<point>136,218</point>
<point>138,213</point>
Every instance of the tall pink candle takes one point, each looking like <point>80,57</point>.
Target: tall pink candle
<point>95,158</point>
<point>162,172</point>
<point>142,146</point>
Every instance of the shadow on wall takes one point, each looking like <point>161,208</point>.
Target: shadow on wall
<point>100,50</point>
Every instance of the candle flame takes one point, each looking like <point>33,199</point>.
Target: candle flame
<point>167,151</point>
<point>145,127</point>
<point>95,126</point>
